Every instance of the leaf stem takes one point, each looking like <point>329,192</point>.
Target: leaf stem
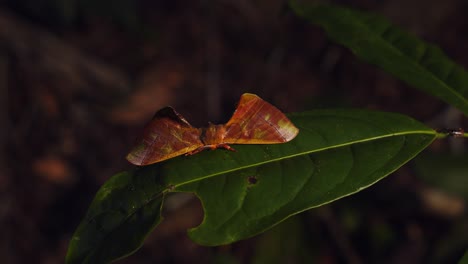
<point>459,132</point>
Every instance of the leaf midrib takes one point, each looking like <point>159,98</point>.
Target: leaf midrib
<point>422,132</point>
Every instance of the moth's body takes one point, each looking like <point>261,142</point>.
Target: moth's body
<point>211,137</point>
<point>169,135</point>
<point>213,134</point>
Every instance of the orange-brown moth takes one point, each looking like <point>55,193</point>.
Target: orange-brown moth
<point>169,135</point>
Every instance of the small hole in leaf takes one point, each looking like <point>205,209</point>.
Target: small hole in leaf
<point>252,180</point>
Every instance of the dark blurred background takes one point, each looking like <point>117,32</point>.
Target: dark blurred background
<point>80,78</point>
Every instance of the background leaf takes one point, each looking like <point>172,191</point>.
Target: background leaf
<point>337,153</point>
<point>464,259</point>
<point>375,40</point>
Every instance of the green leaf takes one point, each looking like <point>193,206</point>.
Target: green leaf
<point>337,153</point>
<point>375,40</point>
<point>125,209</point>
<point>464,259</point>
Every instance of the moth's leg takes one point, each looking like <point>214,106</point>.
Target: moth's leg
<point>226,146</point>
<point>211,147</point>
<point>195,151</point>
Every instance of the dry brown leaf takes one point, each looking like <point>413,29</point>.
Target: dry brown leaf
<point>53,169</point>
<point>155,89</point>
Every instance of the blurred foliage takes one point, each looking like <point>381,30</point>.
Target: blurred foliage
<point>69,13</point>
<point>445,171</point>
<point>288,242</point>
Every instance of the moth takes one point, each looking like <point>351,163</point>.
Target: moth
<point>169,135</point>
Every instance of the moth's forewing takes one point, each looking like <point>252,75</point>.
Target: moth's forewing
<point>166,136</point>
<point>258,122</point>
<point>169,135</point>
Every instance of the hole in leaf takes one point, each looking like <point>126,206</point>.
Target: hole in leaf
<point>252,180</point>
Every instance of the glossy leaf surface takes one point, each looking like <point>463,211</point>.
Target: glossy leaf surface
<point>243,193</point>
<point>377,41</point>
